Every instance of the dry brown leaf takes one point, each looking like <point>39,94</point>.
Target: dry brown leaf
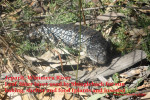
<point>41,96</point>
<point>110,16</point>
<point>13,18</point>
<point>27,96</point>
<point>68,96</point>
<point>143,86</point>
<point>145,9</point>
<point>46,56</point>
<point>131,73</point>
<point>14,96</point>
<point>147,97</point>
<point>10,65</point>
<point>136,32</point>
<point>58,96</point>
<point>12,13</point>
<point>111,4</point>
<point>123,79</point>
<point>30,58</point>
<point>107,32</point>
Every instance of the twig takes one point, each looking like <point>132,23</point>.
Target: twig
<point>94,8</point>
<point>139,92</point>
<point>60,60</point>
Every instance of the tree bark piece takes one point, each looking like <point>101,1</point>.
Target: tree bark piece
<point>117,65</point>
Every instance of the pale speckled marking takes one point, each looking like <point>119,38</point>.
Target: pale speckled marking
<point>92,41</point>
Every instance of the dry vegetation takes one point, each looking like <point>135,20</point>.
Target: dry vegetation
<point>125,23</point>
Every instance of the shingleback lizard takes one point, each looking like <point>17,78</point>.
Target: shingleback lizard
<point>93,43</point>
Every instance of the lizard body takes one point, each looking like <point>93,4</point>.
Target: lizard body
<point>96,47</point>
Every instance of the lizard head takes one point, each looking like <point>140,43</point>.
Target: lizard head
<point>97,49</point>
<point>38,33</point>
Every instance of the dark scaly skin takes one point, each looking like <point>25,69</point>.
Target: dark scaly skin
<point>92,41</point>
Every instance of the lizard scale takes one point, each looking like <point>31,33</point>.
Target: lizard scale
<point>92,41</point>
